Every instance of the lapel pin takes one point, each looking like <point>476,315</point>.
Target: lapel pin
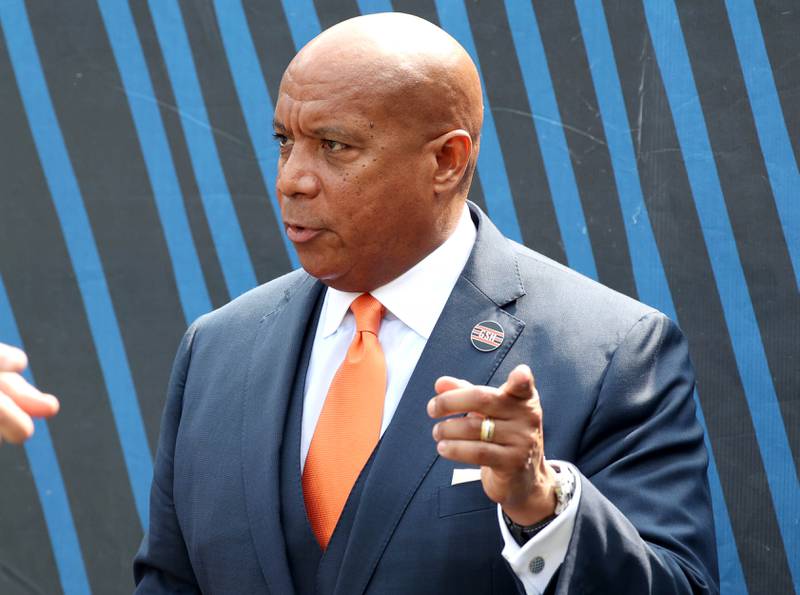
<point>487,335</point>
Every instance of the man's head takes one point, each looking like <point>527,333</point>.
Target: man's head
<point>378,120</point>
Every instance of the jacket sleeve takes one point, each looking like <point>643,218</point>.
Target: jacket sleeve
<point>644,522</point>
<point>162,564</point>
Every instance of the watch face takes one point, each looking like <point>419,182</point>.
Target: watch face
<point>564,488</point>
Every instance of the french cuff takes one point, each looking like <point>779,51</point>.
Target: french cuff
<point>537,560</point>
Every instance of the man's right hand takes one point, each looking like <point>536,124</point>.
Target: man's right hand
<point>18,399</point>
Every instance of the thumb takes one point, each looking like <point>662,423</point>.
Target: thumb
<point>520,383</point>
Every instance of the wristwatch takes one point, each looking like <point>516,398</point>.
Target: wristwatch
<point>564,489</point>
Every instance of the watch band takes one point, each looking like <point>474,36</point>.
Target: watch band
<point>524,533</point>
<point>564,489</point>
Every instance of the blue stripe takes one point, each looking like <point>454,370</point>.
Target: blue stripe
<point>770,125</point>
<point>491,167</point>
<point>731,577</point>
<point>157,157</point>
<point>254,99</point>
<point>47,477</point>
<point>237,267</point>
<point>303,21</point>
<point>550,132</point>
<point>83,253</point>
<point>687,113</point>
<point>648,269</point>
<point>373,6</point>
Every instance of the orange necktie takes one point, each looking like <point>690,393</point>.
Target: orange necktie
<point>349,425</point>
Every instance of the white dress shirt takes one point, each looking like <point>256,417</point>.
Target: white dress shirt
<point>414,301</point>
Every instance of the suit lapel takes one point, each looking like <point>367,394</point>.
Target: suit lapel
<point>271,373</point>
<point>407,450</point>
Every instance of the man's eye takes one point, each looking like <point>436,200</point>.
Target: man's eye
<point>282,139</point>
<point>333,145</point>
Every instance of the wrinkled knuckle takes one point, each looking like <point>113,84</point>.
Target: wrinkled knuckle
<point>483,455</point>
<point>506,401</point>
<point>485,397</point>
<point>534,416</point>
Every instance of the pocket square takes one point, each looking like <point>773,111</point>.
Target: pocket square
<point>465,475</point>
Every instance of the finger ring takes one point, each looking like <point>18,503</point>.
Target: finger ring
<point>487,429</point>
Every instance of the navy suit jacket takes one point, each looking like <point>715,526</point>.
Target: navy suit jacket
<point>616,388</point>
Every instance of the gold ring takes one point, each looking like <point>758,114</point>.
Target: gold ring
<point>487,429</point>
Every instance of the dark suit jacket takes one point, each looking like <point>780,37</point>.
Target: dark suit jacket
<point>616,387</point>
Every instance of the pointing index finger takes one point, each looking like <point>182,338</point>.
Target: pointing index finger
<point>485,401</point>
<point>445,383</point>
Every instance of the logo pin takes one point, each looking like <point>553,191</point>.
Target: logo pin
<point>487,335</point>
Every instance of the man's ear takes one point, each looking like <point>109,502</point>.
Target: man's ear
<point>453,150</point>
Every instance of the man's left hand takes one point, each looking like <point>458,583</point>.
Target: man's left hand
<point>513,468</point>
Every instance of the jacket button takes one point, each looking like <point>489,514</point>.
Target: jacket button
<point>536,565</point>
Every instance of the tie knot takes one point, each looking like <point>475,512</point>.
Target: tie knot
<point>368,312</point>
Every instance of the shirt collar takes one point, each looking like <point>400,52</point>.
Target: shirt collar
<point>417,297</point>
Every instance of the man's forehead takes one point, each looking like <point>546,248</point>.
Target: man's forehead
<point>340,74</point>
<point>317,100</point>
<point>330,117</point>
<point>332,97</point>
<point>320,84</point>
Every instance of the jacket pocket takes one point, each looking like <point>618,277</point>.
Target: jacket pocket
<point>462,498</point>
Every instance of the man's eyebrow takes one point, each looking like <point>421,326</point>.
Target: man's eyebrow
<point>341,134</point>
<point>324,131</point>
<point>321,132</point>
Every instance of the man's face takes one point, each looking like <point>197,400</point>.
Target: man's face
<point>354,182</point>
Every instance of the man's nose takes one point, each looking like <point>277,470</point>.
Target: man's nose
<point>296,176</point>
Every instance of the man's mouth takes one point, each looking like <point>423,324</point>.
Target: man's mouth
<point>299,234</point>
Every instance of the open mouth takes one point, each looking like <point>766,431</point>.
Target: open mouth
<point>299,234</point>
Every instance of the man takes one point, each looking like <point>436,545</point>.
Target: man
<point>18,399</point>
<point>301,451</point>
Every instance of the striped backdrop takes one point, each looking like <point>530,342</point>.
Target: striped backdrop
<point>650,144</point>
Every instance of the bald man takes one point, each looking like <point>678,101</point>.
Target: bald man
<point>371,424</point>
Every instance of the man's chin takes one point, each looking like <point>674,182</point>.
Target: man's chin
<point>325,273</point>
<point>343,277</point>
<point>339,281</point>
